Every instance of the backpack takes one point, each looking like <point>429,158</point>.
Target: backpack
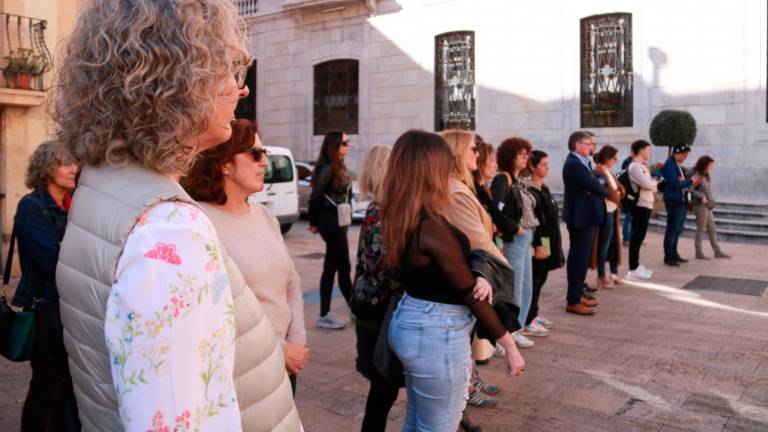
<point>630,199</point>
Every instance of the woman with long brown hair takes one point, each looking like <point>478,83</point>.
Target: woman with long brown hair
<point>437,313</point>
<point>331,187</point>
<point>703,208</point>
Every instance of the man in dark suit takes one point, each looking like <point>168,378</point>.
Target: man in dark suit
<point>583,212</point>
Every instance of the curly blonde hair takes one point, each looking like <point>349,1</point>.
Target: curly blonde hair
<point>140,79</point>
<point>46,158</point>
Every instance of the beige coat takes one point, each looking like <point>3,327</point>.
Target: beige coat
<point>106,206</point>
<point>469,216</point>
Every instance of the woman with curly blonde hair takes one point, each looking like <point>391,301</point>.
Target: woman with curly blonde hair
<point>155,312</point>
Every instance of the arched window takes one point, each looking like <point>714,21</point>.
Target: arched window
<point>606,70</point>
<point>455,80</point>
<point>336,96</point>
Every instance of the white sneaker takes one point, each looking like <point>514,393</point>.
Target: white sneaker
<point>645,270</point>
<point>499,351</point>
<point>522,341</point>
<point>637,274</point>
<point>329,322</point>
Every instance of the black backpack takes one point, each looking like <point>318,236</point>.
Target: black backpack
<point>630,198</point>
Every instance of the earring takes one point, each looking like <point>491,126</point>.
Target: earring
<point>226,173</point>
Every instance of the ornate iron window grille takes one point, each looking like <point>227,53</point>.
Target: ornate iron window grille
<point>606,70</point>
<point>24,36</point>
<point>455,80</point>
<point>247,8</point>
<point>336,97</point>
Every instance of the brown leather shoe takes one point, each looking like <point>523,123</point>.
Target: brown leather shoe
<point>589,302</point>
<point>579,309</point>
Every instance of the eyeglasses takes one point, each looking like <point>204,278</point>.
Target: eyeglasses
<point>345,143</point>
<point>241,71</point>
<point>257,153</point>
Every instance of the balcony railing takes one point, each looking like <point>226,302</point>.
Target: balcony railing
<point>247,8</point>
<point>25,56</point>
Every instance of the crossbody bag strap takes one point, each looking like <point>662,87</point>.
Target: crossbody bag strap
<point>9,259</point>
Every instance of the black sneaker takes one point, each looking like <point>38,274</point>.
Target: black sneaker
<point>681,260</point>
<point>672,263</point>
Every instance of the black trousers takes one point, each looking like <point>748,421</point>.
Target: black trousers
<point>640,218</point>
<point>50,404</point>
<point>336,260</point>
<point>540,273</point>
<point>579,254</point>
<point>382,394</point>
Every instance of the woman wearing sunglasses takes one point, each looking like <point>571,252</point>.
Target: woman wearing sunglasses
<point>222,179</point>
<point>331,187</point>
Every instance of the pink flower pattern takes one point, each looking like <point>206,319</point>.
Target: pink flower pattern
<point>164,252</point>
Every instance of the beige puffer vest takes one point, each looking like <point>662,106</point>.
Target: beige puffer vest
<point>106,206</point>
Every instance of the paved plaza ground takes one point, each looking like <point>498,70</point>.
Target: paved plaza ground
<point>656,357</point>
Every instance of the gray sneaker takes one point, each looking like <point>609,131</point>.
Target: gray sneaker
<point>329,322</point>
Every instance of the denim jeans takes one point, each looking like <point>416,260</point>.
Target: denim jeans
<point>432,341</point>
<point>604,239</point>
<point>518,253</point>
<point>626,226</point>
<point>675,224</point>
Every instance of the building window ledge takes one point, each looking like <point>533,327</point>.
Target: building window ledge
<point>21,98</point>
<point>331,5</point>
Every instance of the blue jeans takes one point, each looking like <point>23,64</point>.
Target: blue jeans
<point>518,253</point>
<point>626,226</point>
<point>675,224</point>
<point>432,341</point>
<point>604,239</point>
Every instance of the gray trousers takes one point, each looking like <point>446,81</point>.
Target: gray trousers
<point>705,219</point>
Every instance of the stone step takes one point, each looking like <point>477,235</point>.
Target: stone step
<point>726,234</point>
<point>736,221</point>
<point>725,223</point>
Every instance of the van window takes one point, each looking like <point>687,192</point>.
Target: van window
<point>280,170</point>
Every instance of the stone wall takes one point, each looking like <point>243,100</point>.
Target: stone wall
<point>707,57</point>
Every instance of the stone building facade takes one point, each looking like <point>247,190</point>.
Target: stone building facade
<point>536,69</point>
<point>28,24</point>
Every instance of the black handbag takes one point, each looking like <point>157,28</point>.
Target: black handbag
<point>17,328</point>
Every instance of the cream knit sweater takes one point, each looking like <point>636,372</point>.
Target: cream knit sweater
<point>256,245</point>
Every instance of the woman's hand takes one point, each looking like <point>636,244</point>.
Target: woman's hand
<point>515,362</point>
<point>540,253</point>
<point>483,290</point>
<point>296,357</point>
<point>313,229</point>
<point>520,231</point>
<point>704,200</point>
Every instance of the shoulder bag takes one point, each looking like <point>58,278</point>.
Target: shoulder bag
<point>343,210</point>
<point>17,328</point>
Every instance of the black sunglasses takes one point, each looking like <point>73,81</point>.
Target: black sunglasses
<point>256,152</point>
<point>345,143</point>
<point>241,71</point>
<point>475,150</point>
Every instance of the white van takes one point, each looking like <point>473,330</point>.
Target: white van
<point>280,194</point>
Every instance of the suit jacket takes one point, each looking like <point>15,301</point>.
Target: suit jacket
<point>584,201</point>
<point>675,180</point>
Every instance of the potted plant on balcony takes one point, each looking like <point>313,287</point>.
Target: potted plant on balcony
<point>22,66</point>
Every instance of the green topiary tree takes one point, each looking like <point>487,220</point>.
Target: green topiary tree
<point>671,128</point>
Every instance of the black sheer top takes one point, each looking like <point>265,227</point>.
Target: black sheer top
<point>435,267</point>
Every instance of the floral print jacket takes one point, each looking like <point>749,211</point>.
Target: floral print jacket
<point>170,327</point>
<point>374,283</point>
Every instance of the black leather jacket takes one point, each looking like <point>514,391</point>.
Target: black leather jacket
<point>507,198</point>
<point>325,185</point>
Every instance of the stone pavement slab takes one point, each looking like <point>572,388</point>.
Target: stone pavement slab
<point>655,358</point>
